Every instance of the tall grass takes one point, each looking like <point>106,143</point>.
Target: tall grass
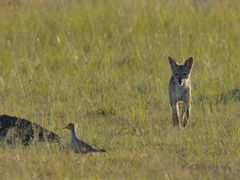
<point>103,66</point>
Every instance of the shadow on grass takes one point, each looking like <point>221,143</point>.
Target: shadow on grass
<point>143,89</point>
<point>101,112</point>
<point>222,168</point>
<point>232,95</point>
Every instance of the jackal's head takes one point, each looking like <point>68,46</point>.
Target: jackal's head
<point>181,72</point>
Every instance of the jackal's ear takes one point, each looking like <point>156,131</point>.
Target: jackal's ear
<point>188,63</point>
<point>172,62</point>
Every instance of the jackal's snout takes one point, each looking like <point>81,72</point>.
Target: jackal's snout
<point>180,81</point>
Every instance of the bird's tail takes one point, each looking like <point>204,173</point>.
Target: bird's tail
<point>101,150</point>
<point>98,150</point>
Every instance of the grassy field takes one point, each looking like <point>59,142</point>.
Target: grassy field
<point>103,66</point>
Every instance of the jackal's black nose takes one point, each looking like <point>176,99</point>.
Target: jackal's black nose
<point>180,81</point>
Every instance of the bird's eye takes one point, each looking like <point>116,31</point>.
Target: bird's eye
<point>176,74</point>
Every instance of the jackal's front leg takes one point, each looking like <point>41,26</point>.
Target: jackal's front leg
<point>187,110</point>
<point>175,115</point>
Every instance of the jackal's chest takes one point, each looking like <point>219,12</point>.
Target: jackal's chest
<point>181,93</point>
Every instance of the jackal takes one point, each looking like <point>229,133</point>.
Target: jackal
<point>180,91</point>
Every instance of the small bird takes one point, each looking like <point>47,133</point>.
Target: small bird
<point>79,146</point>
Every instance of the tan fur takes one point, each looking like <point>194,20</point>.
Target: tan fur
<point>180,92</point>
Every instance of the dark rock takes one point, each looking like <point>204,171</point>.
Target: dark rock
<point>24,131</point>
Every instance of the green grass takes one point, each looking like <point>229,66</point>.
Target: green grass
<point>103,66</point>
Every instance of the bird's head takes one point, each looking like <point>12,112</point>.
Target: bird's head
<point>70,126</point>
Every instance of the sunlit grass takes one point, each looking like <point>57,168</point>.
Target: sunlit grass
<point>103,66</point>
